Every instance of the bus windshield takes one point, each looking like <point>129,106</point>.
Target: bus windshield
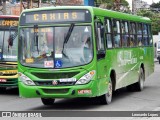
<point>8,51</point>
<point>56,47</point>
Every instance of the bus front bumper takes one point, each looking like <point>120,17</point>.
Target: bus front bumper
<point>87,90</point>
<point>9,80</point>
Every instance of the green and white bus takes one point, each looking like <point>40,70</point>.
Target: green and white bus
<point>82,51</point>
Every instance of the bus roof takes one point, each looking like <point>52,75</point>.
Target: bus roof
<point>9,16</point>
<point>120,15</point>
<point>99,12</point>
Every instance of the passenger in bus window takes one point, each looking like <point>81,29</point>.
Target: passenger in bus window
<point>75,39</point>
<point>131,42</point>
<point>124,40</point>
<point>87,46</point>
<point>116,37</point>
<point>117,40</point>
<point>145,36</point>
<point>109,41</point>
<point>139,34</point>
<point>139,37</point>
<point>86,41</point>
<point>124,37</point>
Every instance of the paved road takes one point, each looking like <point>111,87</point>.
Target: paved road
<point>147,100</point>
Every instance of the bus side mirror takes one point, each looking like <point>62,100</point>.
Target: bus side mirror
<point>101,27</point>
<point>101,54</point>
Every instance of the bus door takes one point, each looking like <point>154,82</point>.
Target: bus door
<point>101,54</point>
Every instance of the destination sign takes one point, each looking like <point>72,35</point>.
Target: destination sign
<point>8,22</point>
<point>55,16</point>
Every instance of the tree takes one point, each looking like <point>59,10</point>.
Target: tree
<point>118,5</point>
<point>155,5</point>
<point>145,13</point>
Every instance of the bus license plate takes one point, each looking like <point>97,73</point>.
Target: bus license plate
<point>84,91</point>
<point>3,80</point>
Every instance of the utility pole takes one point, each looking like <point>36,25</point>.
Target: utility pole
<point>4,7</point>
<point>133,9</point>
<point>29,4</point>
<point>117,5</point>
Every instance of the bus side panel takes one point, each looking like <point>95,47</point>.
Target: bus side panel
<point>104,67</point>
<point>127,66</point>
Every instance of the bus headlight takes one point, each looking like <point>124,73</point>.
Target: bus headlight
<point>86,78</point>
<point>26,80</point>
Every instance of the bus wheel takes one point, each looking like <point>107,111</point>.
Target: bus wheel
<point>48,101</point>
<point>107,98</point>
<point>159,60</point>
<point>140,84</point>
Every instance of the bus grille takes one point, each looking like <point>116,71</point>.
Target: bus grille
<point>8,74</point>
<point>55,91</point>
<point>9,82</point>
<point>50,83</point>
<point>54,75</point>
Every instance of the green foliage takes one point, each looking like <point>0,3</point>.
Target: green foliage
<point>109,4</point>
<point>145,13</point>
<point>44,1</point>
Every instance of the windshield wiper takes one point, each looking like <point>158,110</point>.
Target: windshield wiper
<point>67,37</point>
<point>69,33</point>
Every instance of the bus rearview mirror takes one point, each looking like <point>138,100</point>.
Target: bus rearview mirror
<point>101,54</point>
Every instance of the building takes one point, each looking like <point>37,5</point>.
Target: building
<point>139,4</point>
<point>13,8</point>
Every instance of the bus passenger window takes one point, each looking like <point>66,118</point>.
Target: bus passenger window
<point>116,33</point>
<point>124,31</point>
<point>145,35</point>
<point>100,37</point>
<point>150,35</point>
<point>139,35</point>
<point>108,34</point>
<point>132,30</point>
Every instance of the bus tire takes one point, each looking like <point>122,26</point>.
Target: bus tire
<point>140,84</point>
<point>130,88</point>
<point>107,98</point>
<point>48,101</point>
<point>159,60</point>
